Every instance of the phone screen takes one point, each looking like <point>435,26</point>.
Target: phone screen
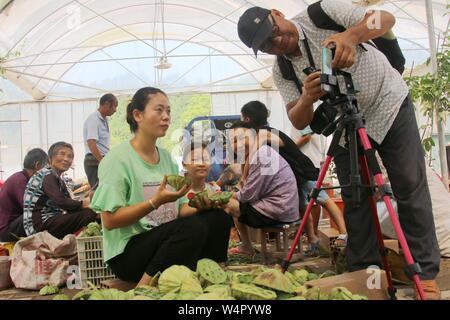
<point>327,59</point>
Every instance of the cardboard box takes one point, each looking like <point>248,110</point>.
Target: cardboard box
<point>356,282</point>
<point>327,237</point>
<point>392,244</point>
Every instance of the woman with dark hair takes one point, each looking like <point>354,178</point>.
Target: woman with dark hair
<point>47,202</point>
<point>256,114</point>
<point>268,195</point>
<point>147,227</point>
<point>11,195</point>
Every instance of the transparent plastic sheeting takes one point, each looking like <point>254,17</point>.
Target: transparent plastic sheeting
<point>79,49</point>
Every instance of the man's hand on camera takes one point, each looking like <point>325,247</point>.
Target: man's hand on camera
<point>311,87</point>
<point>344,56</point>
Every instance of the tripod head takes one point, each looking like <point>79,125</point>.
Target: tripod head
<point>338,100</point>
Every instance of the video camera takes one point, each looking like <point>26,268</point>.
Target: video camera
<point>324,117</point>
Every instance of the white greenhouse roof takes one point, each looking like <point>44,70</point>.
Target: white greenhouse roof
<point>83,48</point>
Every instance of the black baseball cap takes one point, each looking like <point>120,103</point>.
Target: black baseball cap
<point>254,27</point>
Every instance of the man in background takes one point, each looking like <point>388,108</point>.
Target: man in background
<point>96,136</point>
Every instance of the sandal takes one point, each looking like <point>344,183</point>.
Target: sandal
<point>343,238</point>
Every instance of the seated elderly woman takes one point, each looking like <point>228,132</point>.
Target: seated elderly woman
<point>268,194</point>
<point>47,202</point>
<point>11,195</point>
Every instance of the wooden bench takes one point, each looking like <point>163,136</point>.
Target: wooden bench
<point>282,242</point>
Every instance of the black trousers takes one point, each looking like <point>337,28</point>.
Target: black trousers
<point>255,219</point>
<point>182,242</point>
<point>64,224</point>
<point>91,169</point>
<point>403,157</point>
<point>16,228</point>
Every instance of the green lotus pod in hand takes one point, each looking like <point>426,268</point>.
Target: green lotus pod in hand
<point>177,182</point>
<point>196,200</point>
<point>221,197</point>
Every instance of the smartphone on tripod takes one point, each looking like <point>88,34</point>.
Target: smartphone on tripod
<point>327,70</point>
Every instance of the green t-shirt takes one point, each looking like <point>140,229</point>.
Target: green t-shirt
<point>125,180</point>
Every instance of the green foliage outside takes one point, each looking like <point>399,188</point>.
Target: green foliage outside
<point>184,108</point>
<point>432,91</point>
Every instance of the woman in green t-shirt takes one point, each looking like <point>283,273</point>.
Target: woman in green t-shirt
<point>146,227</point>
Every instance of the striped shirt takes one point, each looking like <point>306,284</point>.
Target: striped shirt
<point>46,196</point>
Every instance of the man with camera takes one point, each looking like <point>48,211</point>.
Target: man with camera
<point>384,103</point>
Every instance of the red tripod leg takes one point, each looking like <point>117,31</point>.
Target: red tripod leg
<point>395,222</point>
<point>287,260</point>
<point>373,207</point>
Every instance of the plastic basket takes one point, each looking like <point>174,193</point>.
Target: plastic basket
<point>90,261</point>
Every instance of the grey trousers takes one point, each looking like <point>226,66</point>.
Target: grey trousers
<point>403,157</point>
<point>91,169</point>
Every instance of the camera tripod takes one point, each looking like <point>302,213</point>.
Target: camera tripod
<point>356,137</point>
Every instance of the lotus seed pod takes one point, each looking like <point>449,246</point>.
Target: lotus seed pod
<point>312,276</point>
<point>211,271</point>
<point>148,291</point>
<point>301,276</point>
<point>48,290</point>
<point>179,278</point>
<point>177,182</point>
<point>244,291</point>
<point>292,279</point>
<point>221,289</point>
<point>274,279</point>
<point>61,297</point>
<point>221,197</point>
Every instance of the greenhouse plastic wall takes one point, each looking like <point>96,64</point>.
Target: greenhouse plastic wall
<point>39,125</point>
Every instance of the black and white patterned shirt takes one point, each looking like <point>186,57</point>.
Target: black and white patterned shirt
<point>382,89</point>
<point>46,196</point>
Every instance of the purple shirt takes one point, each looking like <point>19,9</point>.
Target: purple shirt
<point>271,187</point>
<point>11,198</point>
